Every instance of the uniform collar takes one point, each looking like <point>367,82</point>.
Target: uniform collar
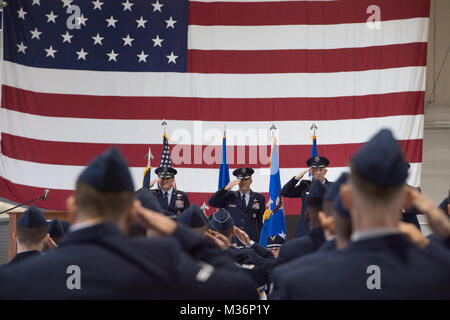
<point>373,233</point>
<point>91,233</point>
<point>247,195</point>
<point>170,191</point>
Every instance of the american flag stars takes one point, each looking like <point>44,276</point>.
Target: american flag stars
<point>91,38</point>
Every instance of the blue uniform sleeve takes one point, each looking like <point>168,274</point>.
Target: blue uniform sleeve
<point>221,198</point>
<point>291,190</point>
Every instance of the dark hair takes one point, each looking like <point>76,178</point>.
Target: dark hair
<point>314,205</point>
<point>343,225</point>
<point>97,204</point>
<point>31,236</point>
<point>373,193</point>
<point>328,207</point>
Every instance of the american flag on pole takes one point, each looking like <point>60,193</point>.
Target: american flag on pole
<point>80,76</point>
<point>166,160</point>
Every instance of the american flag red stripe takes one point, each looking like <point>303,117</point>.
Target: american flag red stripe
<point>310,61</point>
<point>249,64</point>
<point>300,12</point>
<point>53,152</point>
<point>212,109</point>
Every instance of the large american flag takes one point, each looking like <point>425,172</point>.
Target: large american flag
<point>79,76</point>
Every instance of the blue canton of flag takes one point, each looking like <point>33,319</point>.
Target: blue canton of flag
<point>166,160</point>
<point>274,223</point>
<point>113,35</point>
<point>224,173</point>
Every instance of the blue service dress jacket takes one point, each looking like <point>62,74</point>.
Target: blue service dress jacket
<point>257,261</point>
<point>301,246</point>
<point>111,266</point>
<point>248,218</point>
<point>178,202</point>
<point>22,256</point>
<point>405,272</point>
<point>292,190</point>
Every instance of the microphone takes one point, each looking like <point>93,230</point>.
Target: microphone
<point>43,197</point>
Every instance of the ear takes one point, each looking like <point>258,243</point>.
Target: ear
<point>72,209</point>
<point>326,170</point>
<point>346,196</point>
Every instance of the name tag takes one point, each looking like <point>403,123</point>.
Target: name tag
<point>179,204</point>
<point>232,205</point>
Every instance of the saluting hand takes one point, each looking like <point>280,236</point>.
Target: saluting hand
<point>49,242</point>
<point>413,234</point>
<point>155,221</point>
<point>437,220</point>
<point>152,183</point>
<point>232,184</point>
<point>218,239</point>
<point>301,174</point>
<point>242,236</point>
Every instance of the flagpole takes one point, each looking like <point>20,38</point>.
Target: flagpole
<point>149,156</point>
<point>164,125</point>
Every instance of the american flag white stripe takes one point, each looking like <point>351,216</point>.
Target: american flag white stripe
<point>42,175</point>
<point>350,35</point>
<point>215,85</point>
<point>203,132</point>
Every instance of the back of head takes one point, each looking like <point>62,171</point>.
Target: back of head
<point>193,217</point>
<point>314,200</point>
<point>55,229</point>
<point>148,200</point>
<point>222,222</point>
<point>31,227</point>
<point>105,188</point>
<point>332,192</point>
<point>379,170</point>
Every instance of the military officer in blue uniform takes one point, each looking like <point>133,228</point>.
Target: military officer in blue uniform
<point>379,262</point>
<point>31,235</point>
<point>172,200</point>
<point>295,189</point>
<point>245,206</point>
<point>315,238</point>
<point>96,261</point>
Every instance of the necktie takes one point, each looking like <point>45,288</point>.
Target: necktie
<point>244,204</point>
<point>166,200</point>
